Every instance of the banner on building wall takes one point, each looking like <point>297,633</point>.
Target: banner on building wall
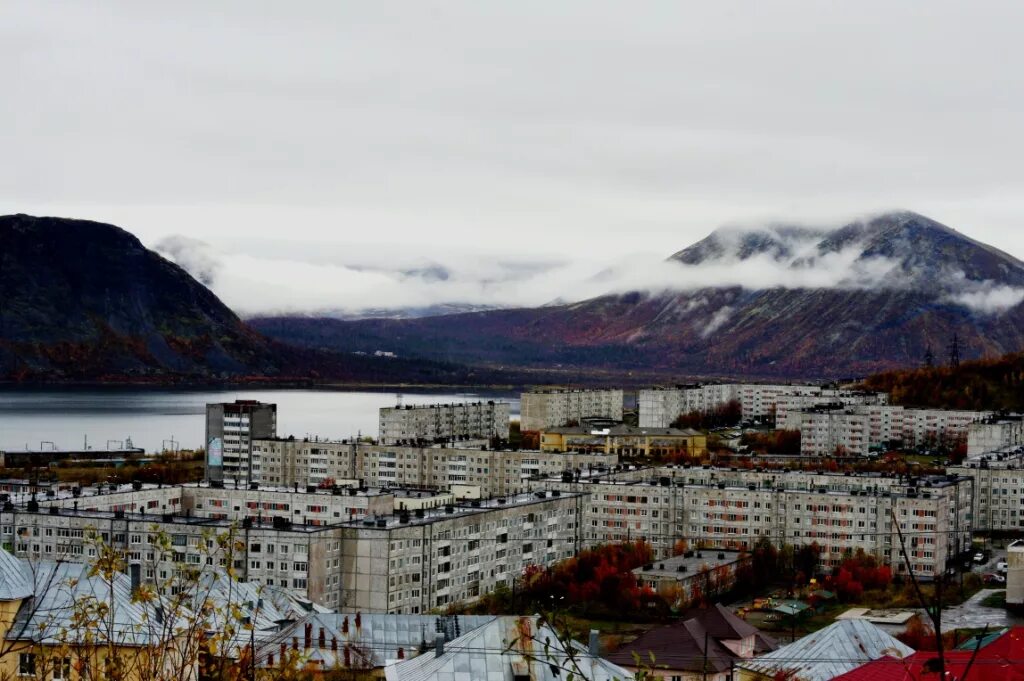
<point>215,452</point>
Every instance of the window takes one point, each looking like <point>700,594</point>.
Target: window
<point>27,664</point>
<point>62,669</point>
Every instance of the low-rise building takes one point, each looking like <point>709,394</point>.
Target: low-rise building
<point>626,441</point>
<point>435,423</point>
<point>705,647</point>
<point>553,408</point>
<point>709,570</point>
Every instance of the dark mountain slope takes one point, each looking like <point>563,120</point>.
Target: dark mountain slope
<point>850,328</point>
<point>80,298</point>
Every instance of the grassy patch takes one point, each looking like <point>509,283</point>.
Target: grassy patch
<point>995,600</point>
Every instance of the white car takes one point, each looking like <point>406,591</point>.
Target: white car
<point>1002,567</point>
<point>979,558</point>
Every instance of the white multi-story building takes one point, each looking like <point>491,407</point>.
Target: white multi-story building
<point>659,407</point>
<point>435,423</point>
<point>366,550</point>
<point>994,433</point>
<point>733,509</point>
<point>230,429</point>
<point>291,461</point>
<point>553,408</point>
<point>857,428</point>
<point>998,488</point>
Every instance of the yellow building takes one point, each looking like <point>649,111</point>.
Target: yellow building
<point>626,441</point>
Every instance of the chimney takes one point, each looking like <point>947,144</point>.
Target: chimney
<point>595,643</point>
<point>439,645</point>
<point>322,639</point>
<point>135,571</point>
<point>401,653</point>
<point>309,636</point>
<point>295,642</point>
<point>284,652</point>
<point>334,643</point>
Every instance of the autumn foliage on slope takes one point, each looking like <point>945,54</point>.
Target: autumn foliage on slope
<point>982,384</point>
<point>598,581</point>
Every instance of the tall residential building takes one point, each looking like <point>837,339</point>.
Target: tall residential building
<point>431,423</point>
<point>230,429</point>
<point>291,461</point>
<point>734,508</point>
<point>659,407</point>
<point>998,488</point>
<point>996,432</point>
<point>856,428</point>
<point>554,408</point>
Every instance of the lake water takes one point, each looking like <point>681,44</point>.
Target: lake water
<point>34,418</point>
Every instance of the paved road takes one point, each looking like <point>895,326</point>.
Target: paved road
<point>971,614</point>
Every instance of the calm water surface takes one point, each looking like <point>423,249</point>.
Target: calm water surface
<point>34,418</point>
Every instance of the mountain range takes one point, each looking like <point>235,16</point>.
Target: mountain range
<point>86,301</point>
<point>780,301</point>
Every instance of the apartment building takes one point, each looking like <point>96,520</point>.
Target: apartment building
<point>858,428</point>
<point>734,508</point>
<point>995,432</point>
<point>659,407</point>
<point>230,429</point>
<point>324,545</point>
<point>998,488</point>
<point>290,461</point>
<point>831,430</point>
<point>626,441</point>
<point>553,408</point>
<point>416,562</point>
<point>434,423</point>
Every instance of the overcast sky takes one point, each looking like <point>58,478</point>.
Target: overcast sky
<point>315,147</point>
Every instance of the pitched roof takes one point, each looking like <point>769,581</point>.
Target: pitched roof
<point>61,589</point>
<point>15,580</point>
<point>503,649</point>
<point>688,644</point>
<point>376,639</point>
<point>834,650</point>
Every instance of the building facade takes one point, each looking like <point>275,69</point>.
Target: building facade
<point>542,409</point>
<point>230,429</point>
<point>291,461</point>
<point>626,441</point>
<point>659,407</point>
<point>734,508</point>
<point>857,429</point>
<point>436,423</point>
<point>994,433</point>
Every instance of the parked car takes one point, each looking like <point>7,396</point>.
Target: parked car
<point>1002,567</point>
<point>993,578</point>
<point>979,558</point>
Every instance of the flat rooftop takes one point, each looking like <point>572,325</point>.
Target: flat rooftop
<point>687,564</point>
<point>458,510</point>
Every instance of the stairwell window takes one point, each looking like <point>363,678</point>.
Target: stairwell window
<point>27,664</point>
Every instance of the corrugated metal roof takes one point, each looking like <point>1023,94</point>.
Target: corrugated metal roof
<point>834,650</point>
<point>507,648</point>
<point>47,617</point>
<point>15,580</point>
<point>376,639</point>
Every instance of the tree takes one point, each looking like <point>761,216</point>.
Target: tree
<point>198,622</point>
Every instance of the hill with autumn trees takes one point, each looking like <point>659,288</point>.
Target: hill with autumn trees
<point>981,384</point>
